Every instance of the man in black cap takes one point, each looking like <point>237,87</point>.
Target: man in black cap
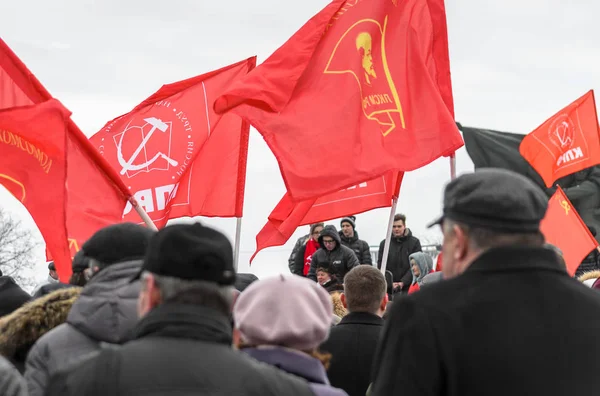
<point>507,319</point>
<point>349,238</point>
<point>105,312</point>
<point>182,343</point>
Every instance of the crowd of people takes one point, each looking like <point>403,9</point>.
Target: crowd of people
<point>165,313</point>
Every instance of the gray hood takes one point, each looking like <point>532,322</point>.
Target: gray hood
<point>107,308</point>
<point>425,263</point>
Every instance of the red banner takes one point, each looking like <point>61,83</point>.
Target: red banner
<point>288,216</point>
<point>369,79</point>
<point>176,155</point>
<point>564,229</point>
<point>566,143</point>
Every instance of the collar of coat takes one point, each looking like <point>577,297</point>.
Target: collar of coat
<point>364,318</point>
<point>516,258</point>
<point>187,321</point>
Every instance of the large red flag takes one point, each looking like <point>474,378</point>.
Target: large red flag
<point>566,143</point>
<point>96,194</point>
<point>288,216</point>
<point>564,229</point>
<point>33,168</point>
<point>176,155</point>
<point>368,80</point>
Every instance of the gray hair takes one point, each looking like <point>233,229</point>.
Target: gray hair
<point>171,287</point>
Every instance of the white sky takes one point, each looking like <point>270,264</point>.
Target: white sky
<point>514,64</point>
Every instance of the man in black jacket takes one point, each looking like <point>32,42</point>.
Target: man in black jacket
<point>12,297</point>
<point>352,343</point>
<point>349,238</point>
<point>402,245</point>
<point>507,320</point>
<point>332,255</point>
<point>182,343</point>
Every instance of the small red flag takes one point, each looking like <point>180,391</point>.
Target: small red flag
<point>33,168</point>
<point>176,155</point>
<point>96,195</point>
<point>366,79</point>
<point>566,143</point>
<point>288,216</point>
<point>564,229</point>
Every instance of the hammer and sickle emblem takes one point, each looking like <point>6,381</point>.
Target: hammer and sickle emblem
<point>565,205</point>
<point>128,165</point>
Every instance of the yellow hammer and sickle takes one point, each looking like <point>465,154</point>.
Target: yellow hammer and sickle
<point>565,205</point>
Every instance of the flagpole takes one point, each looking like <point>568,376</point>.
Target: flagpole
<point>388,235</point>
<point>238,234</point>
<point>453,166</point>
<point>149,223</point>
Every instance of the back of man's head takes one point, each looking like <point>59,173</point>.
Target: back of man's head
<point>364,289</point>
<point>188,264</point>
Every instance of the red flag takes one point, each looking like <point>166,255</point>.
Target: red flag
<point>365,79</point>
<point>288,216</point>
<point>566,143</point>
<point>96,194</point>
<point>33,168</point>
<point>564,229</point>
<point>176,155</point>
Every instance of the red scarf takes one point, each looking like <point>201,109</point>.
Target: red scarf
<point>311,247</point>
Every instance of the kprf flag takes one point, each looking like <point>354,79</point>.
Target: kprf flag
<point>368,81</point>
<point>566,143</point>
<point>176,155</point>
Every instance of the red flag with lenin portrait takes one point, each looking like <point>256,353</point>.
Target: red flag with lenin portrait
<point>176,155</point>
<point>365,80</point>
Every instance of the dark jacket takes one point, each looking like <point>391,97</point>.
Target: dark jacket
<point>352,344</point>
<point>106,312</point>
<point>339,261</point>
<point>177,349</point>
<point>298,250</point>
<point>49,288</point>
<point>21,329</point>
<point>297,363</point>
<point>11,382</point>
<point>359,247</point>
<point>514,323</point>
<point>398,263</point>
<point>11,295</point>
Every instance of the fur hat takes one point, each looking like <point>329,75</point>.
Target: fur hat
<point>290,311</point>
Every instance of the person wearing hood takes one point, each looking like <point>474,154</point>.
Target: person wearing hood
<point>289,333</point>
<point>106,311</point>
<point>11,382</point>
<point>12,296</point>
<point>332,255</point>
<point>421,265</point>
<point>52,278</point>
<point>402,245</point>
<point>349,238</point>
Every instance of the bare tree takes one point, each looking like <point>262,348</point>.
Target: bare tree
<point>17,245</point>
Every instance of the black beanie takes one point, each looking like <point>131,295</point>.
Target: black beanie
<point>118,243</point>
<point>349,219</point>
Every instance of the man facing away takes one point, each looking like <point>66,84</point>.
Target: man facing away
<point>352,343</point>
<point>182,343</point>
<point>508,320</point>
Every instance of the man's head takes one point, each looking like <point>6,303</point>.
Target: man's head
<point>115,244</point>
<point>486,209</point>
<point>329,238</point>
<point>188,263</point>
<point>399,226</point>
<point>365,290</point>
<point>348,225</point>
<point>52,270</point>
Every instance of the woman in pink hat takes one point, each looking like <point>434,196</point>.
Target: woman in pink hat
<point>281,321</point>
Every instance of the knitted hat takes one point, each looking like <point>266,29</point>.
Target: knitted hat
<point>290,311</point>
<point>350,220</point>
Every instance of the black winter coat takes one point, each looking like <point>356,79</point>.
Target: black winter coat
<point>12,297</point>
<point>514,323</point>
<point>178,349</point>
<point>339,261</point>
<point>359,247</point>
<point>398,263</point>
<point>352,344</point>
<point>298,250</point>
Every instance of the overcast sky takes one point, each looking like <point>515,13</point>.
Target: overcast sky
<point>514,64</point>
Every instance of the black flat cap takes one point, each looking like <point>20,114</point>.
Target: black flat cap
<point>495,199</point>
<point>191,252</point>
<point>117,243</point>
